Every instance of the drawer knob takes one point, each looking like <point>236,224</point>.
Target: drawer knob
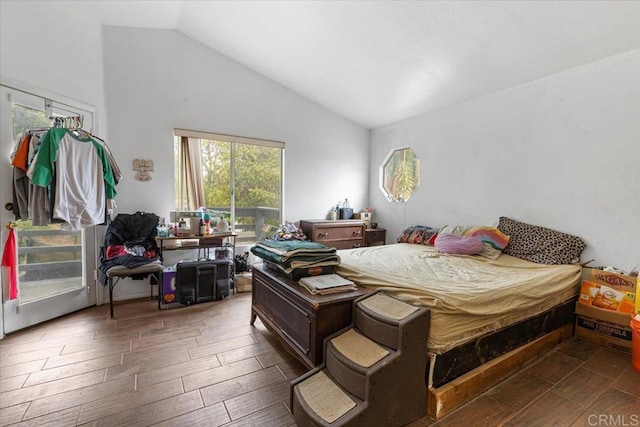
<point>325,234</point>
<point>356,233</point>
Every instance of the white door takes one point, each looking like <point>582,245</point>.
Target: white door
<point>56,268</point>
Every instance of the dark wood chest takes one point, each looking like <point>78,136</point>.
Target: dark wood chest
<point>301,320</point>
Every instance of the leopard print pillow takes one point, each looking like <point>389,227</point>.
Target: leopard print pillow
<point>539,244</point>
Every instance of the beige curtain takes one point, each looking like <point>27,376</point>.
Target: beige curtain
<point>191,188</point>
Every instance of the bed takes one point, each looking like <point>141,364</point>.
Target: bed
<point>485,311</point>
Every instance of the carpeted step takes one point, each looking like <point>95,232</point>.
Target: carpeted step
<point>358,348</point>
<point>322,396</point>
<point>373,371</point>
<point>379,317</point>
<point>348,358</point>
<point>386,306</point>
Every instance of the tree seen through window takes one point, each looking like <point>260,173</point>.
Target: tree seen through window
<point>242,182</point>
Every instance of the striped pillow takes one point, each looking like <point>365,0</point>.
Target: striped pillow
<point>491,235</point>
<point>493,240</point>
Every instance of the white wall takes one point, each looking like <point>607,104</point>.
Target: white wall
<point>561,152</point>
<point>46,48</point>
<point>158,80</point>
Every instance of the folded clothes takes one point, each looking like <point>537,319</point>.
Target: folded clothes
<point>292,247</point>
<point>288,268</point>
<point>289,255</point>
<point>300,259</point>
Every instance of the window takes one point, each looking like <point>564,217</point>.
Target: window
<point>234,177</point>
<point>400,174</point>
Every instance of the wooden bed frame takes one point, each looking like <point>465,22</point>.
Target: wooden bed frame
<point>444,400</point>
<point>462,373</point>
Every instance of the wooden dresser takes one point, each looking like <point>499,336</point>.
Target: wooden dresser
<point>340,234</point>
<point>301,320</point>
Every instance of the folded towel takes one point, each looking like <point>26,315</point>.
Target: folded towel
<point>288,248</point>
<point>296,260</point>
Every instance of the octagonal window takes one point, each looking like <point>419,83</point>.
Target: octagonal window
<point>400,174</point>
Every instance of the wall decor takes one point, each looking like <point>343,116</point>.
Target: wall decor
<point>143,169</point>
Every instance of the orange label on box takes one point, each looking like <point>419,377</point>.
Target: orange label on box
<point>609,291</point>
<point>606,297</point>
<point>614,279</point>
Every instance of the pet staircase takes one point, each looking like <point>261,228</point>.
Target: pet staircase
<point>373,371</point>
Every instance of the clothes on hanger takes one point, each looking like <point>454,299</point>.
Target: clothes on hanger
<point>117,174</point>
<point>29,202</point>
<point>64,175</point>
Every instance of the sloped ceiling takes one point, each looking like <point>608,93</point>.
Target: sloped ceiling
<point>379,62</point>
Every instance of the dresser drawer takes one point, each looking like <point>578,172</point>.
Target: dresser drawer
<point>346,244</point>
<point>323,234</point>
<point>342,234</point>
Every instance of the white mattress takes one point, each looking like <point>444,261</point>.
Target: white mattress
<point>468,295</point>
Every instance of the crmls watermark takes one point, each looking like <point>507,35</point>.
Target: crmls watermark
<point>613,420</point>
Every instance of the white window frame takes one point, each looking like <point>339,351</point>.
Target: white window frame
<point>234,139</point>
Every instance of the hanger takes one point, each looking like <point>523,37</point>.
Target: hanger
<point>72,123</point>
<point>80,133</point>
<point>69,122</point>
<point>35,130</point>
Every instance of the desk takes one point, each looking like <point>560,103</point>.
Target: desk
<point>215,240</point>
<point>225,241</point>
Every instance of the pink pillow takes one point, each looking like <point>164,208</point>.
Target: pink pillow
<point>461,245</point>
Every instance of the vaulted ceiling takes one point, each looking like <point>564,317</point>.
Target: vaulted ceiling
<point>379,62</point>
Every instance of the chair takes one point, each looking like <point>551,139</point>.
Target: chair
<point>120,272</point>
<point>130,250</point>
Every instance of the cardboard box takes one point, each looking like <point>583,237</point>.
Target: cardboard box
<point>168,285</point>
<point>637,309</point>
<point>609,291</point>
<point>365,216</point>
<point>604,327</point>
<point>243,282</point>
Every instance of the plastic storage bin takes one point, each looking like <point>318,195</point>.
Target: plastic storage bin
<point>635,344</point>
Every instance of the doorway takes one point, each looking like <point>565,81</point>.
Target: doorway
<point>56,268</point>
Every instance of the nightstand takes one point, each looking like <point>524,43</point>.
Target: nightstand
<point>375,236</point>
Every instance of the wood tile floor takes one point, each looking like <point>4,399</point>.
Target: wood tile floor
<point>204,365</point>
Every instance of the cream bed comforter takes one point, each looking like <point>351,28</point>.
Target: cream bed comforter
<point>468,295</point>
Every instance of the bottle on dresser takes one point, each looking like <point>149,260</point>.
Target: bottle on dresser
<point>346,212</point>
